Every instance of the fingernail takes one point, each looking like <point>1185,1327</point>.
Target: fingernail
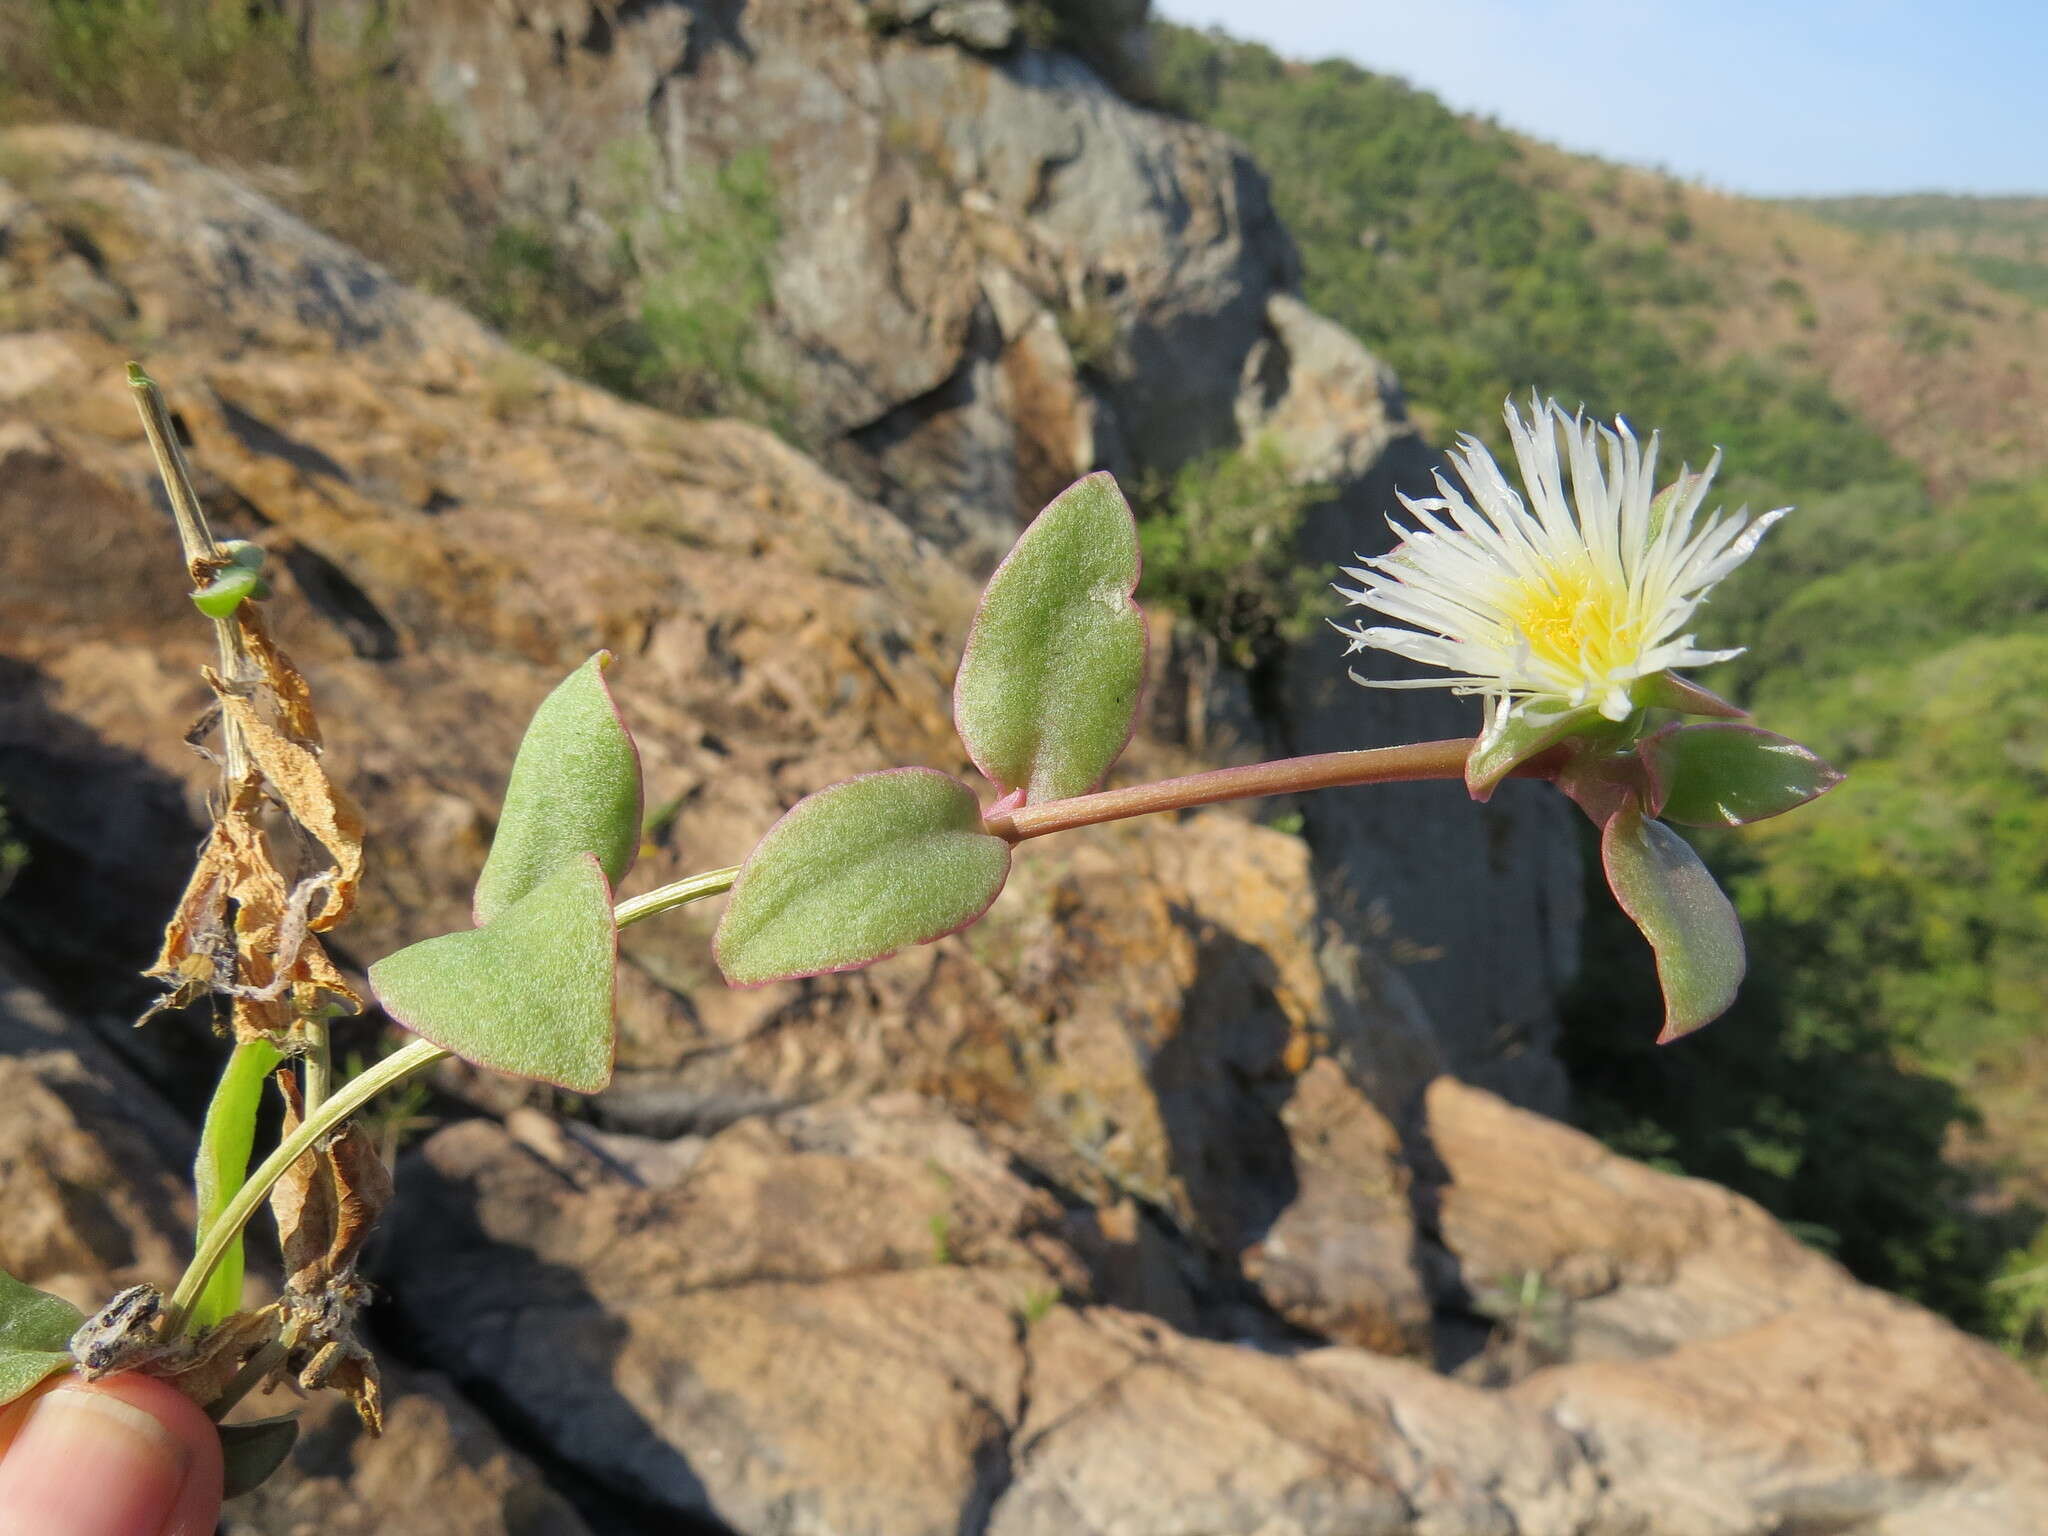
<point>87,1464</point>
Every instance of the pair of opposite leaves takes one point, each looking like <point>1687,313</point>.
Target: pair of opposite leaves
<point>1045,703</point>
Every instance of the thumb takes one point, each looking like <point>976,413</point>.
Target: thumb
<point>127,1456</point>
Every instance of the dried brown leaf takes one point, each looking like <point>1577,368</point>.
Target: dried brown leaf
<point>287,684</point>
<point>362,1189</point>
<point>312,799</point>
<point>218,1355</point>
<point>351,1370</point>
<point>325,1205</point>
<point>198,927</point>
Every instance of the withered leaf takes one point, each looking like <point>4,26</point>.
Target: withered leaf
<point>271,924</point>
<point>287,684</point>
<point>217,1356</point>
<point>346,1366</point>
<point>313,800</point>
<point>326,1204</point>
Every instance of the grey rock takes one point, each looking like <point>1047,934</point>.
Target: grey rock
<point>1340,1260</point>
<point>989,25</point>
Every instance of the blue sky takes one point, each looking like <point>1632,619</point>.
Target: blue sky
<point>1797,96</point>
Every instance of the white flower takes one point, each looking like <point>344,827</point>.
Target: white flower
<point>1573,598</point>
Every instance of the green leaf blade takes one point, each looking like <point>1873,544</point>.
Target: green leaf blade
<point>575,788</point>
<point>1732,775</point>
<point>252,1450</point>
<point>858,871</point>
<point>1667,690</point>
<point>1670,895</point>
<point>35,1336</point>
<point>530,993</point>
<point>225,1142</point>
<point>1047,695</point>
<point>1515,735</point>
<point>221,596</point>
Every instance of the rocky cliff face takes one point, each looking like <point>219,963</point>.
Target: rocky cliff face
<point>1143,1207</point>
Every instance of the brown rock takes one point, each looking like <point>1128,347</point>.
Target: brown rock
<point>776,634</point>
<point>812,1324</point>
<point>86,1153</point>
<point>839,1375</point>
<point>440,1469</point>
<point>1631,1262</point>
<point>1340,1260</point>
<point>1138,1431</point>
<point>1867,1415</point>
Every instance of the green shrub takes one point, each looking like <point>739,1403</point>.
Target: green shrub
<point>1475,284</point>
<point>667,315</point>
<point>1218,539</point>
<point>1898,928</point>
<point>701,268</point>
<point>239,84</point>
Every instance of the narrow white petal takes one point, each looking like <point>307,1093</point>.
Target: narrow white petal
<point>1566,589</point>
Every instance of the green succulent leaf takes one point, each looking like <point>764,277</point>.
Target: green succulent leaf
<point>225,1142</point>
<point>221,596</point>
<point>1662,885</point>
<point>35,1336</point>
<point>1048,689</point>
<point>1516,735</point>
<point>1731,775</point>
<point>858,871</point>
<point>529,993</point>
<point>252,1450</point>
<point>242,553</point>
<point>575,788</point>
<point>1667,690</point>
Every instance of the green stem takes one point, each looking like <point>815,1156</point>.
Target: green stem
<point>388,1073</point>
<point>254,1369</point>
<point>682,893</point>
<point>197,541</point>
<point>316,1067</point>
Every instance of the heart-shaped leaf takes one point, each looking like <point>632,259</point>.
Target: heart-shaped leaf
<point>1730,775</point>
<point>1662,885</point>
<point>1048,689</point>
<point>1513,736</point>
<point>575,788</point>
<point>529,993</point>
<point>35,1336</point>
<point>858,871</point>
<point>225,1142</point>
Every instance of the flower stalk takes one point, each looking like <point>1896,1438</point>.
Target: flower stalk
<point>1326,770</point>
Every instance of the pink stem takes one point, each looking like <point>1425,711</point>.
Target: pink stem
<point>1328,770</point>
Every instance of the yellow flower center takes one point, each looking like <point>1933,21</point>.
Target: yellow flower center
<point>1575,619</point>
